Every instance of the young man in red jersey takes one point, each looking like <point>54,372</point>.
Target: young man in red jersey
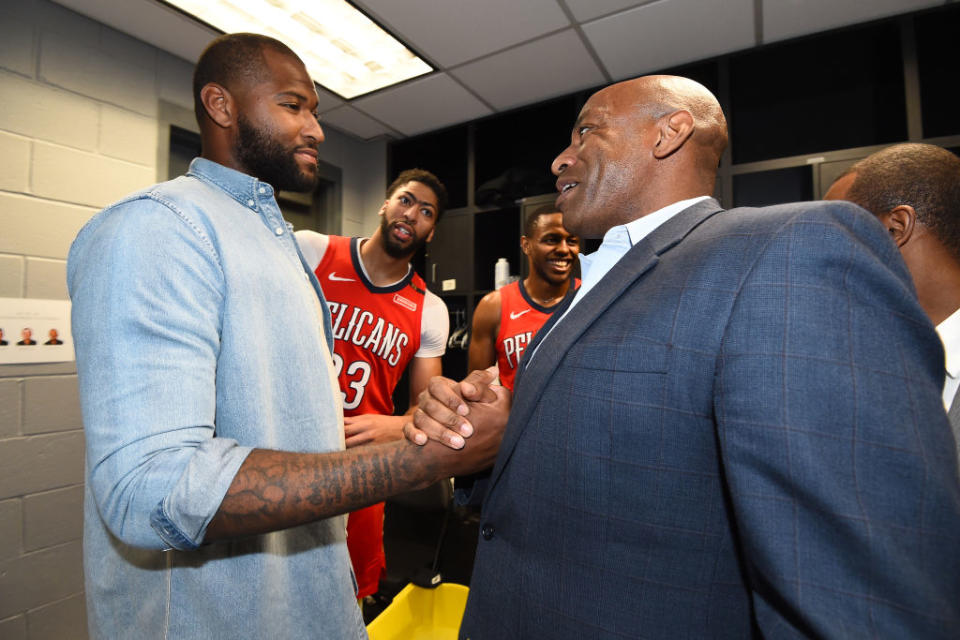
<point>506,320</point>
<point>383,319</point>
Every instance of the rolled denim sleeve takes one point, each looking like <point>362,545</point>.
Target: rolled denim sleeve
<point>147,291</point>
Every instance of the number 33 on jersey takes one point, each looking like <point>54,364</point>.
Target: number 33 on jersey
<point>354,380</point>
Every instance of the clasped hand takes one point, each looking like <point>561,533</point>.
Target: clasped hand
<point>372,428</point>
<point>451,412</point>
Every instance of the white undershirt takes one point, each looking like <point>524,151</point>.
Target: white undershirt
<point>949,332</point>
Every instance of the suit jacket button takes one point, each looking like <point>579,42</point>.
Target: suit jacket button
<point>487,531</point>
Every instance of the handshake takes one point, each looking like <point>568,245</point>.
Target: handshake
<point>467,416</point>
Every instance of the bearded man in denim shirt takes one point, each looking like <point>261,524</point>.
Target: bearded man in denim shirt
<point>216,470</point>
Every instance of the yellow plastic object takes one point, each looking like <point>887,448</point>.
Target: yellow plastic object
<point>422,614</point>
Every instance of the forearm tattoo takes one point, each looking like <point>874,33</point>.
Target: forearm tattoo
<point>276,489</point>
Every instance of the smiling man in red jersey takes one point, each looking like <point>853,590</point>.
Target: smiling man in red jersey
<point>506,320</point>
<point>383,319</point>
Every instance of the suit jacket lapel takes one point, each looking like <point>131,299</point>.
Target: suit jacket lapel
<point>557,337</point>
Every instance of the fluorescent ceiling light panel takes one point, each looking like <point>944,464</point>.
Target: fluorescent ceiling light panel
<point>344,50</point>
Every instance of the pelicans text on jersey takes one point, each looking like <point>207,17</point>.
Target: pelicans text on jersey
<point>376,330</point>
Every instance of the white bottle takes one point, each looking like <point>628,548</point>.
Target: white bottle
<point>501,273</point>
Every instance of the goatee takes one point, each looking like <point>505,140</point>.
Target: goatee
<point>265,158</point>
<point>395,250</point>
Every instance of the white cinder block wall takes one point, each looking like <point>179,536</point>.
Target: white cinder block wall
<point>79,128</point>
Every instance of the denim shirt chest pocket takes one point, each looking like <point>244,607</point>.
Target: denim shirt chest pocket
<point>268,236</point>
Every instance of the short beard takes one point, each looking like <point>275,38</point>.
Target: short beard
<point>394,250</point>
<point>265,158</point>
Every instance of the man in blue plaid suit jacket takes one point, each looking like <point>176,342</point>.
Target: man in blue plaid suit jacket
<point>735,430</point>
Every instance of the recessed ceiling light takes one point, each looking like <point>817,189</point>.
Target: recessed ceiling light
<point>344,50</point>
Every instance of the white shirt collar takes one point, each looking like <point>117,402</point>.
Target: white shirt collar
<point>645,225</point>
<point>619,239</point>
<point>949,332</point>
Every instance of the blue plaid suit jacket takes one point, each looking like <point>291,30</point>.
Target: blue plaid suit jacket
<point>737,433</point>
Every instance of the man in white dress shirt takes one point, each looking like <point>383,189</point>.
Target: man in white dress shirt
<point>914,189</point>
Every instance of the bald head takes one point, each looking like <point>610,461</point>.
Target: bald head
<point>653,98</point>
<point>659,96</point>
<point>234,60</point>
<point>636,147</point>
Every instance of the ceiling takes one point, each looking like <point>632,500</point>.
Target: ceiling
<point>495,55</point>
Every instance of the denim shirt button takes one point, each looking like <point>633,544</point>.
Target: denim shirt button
<point>262,190</point>
<point>278,231</point>
<point>250,203</point>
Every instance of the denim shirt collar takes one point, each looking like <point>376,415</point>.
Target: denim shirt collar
<point>240,186</point>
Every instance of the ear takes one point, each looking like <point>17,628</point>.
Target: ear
<point>383,209</point>
<point>525,245</point>
<point>219,104</point>
<point>674,130</point>
<point>430,235</point>
<point>901,222</point>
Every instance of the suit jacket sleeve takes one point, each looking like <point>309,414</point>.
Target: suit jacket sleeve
<point>835,448</point>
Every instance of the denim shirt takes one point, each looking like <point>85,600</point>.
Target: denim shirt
<point>201,334</point>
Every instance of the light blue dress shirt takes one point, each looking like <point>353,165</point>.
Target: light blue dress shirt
<point>200,335</point>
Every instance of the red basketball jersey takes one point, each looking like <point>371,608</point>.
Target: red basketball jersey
<point>520,319</point>
<point>376,330</point>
